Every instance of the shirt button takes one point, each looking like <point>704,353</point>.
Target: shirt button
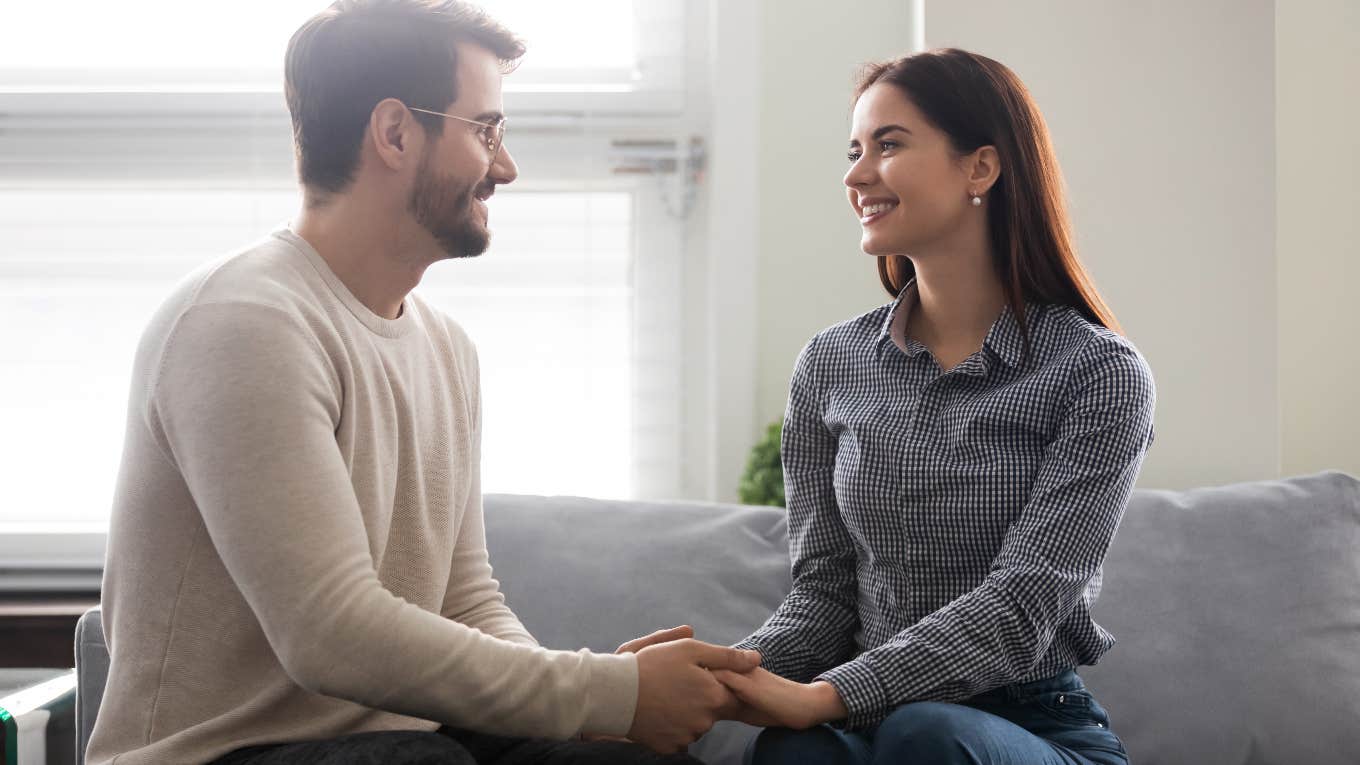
<point>1062,699</point>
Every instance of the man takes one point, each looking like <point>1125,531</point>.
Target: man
<point>297,569</point>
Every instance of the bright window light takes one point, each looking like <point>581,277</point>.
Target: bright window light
<point>153,45</point>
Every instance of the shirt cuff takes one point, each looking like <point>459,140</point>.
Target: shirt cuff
<point>778,657</point>
<point>613,694</point>
<point>862,692</point>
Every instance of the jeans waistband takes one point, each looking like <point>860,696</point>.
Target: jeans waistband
<point>1063,681</point>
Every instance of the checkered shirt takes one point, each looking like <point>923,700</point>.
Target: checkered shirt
<point>947,529</point>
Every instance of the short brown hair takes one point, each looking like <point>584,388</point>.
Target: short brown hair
<point>346,59</point>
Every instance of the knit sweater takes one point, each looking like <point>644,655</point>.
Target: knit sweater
<point>297,547</point>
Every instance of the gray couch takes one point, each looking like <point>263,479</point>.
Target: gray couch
<point>1237,608</point>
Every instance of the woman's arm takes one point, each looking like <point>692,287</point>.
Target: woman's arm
<point>996,633</point>
<point>814,627</point>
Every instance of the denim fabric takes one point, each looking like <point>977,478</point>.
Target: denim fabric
<point>1054,721</point>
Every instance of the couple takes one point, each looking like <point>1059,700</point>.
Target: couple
<point>297,567</point>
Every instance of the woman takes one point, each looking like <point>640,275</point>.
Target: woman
<point>957,461</point>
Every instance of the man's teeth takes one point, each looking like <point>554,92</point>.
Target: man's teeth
<point>878,208</point>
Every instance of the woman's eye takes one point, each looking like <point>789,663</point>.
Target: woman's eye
<point>887,145</point>
<point>853,156</point>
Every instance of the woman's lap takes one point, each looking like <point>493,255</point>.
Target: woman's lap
<point>1051,722</point>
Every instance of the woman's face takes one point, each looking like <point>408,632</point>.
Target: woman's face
<point>906,184</point>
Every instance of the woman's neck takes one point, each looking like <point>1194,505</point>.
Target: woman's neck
<point>958,299</point>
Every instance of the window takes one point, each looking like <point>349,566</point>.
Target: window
<point>128,160</point>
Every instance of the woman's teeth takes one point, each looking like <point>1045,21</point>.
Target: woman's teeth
<point>876,209</point>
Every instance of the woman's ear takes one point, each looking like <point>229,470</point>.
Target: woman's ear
<point>984,167</point>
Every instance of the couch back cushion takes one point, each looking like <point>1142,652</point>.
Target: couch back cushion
<point>1237,611</point>
<point>594,573</point>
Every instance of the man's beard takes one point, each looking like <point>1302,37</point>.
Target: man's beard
<point>444,209</point>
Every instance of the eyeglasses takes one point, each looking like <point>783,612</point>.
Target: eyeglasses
<point>493,134</point>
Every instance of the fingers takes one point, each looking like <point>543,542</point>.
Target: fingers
<point>683,632</point>
<point>735,681</point>
<point>742,686</point>
<point>720,657</point>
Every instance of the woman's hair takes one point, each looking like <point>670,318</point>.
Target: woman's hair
<point>978,102</point>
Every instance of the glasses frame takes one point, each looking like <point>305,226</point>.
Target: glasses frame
<point>494,140</point>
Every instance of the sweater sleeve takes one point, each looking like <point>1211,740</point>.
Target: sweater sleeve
<point>473,596</point>
<point>245,402</point>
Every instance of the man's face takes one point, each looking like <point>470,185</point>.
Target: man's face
<point>456,174</point>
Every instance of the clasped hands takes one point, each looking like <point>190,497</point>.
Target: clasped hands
<point>686,685</point>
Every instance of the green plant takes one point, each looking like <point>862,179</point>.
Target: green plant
<point>762,483</point>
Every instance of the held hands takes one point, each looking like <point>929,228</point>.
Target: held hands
<point>685,686</point>
<point>679,696</point>
<point>771,701</point>
<point>761,697</point>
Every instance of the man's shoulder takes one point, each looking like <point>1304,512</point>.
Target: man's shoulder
<point>248,295</point>
<point>441,325</point>
<point>269,272</point>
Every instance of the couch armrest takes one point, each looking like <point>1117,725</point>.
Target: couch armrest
<point>92,671</point>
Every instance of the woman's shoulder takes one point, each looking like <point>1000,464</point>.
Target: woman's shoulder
<point>853,334</point>
<point>1092,351</point>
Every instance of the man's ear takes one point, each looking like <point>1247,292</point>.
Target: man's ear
<point>984,168</point>
<point>395,134</point>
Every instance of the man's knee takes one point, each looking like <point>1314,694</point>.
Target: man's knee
<point>928,731</point>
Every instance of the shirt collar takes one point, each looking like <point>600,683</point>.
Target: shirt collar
<point>906,298</point>
<point>1004,339</point>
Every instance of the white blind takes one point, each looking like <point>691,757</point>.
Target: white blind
<point>107,199</point>
<point>81,271</point>
<point>619,54</point>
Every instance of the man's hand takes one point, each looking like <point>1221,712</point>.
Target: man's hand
<point>770,700</point>
<point>633,646</point>
<point>679,698</point>
<point>656,638</point>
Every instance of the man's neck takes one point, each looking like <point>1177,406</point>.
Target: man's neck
<point>369,246</point>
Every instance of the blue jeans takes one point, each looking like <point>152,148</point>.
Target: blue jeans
<point>1046,722</point>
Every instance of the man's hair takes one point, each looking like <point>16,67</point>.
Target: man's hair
<point>356,53</point>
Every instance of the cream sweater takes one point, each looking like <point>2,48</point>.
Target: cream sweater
<point>297,548</point>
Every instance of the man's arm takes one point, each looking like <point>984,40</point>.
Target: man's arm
<point>246,404</point>
<point>473,596</point>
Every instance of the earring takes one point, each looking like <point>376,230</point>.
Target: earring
<point>977,200</point>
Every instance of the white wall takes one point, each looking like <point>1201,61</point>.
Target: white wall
<point>1165,118</point>
<point>1162,115</point>
<point>1317,65</point>
<point>811,271</point>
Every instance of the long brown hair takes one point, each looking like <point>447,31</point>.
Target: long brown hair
<point>979,102</point>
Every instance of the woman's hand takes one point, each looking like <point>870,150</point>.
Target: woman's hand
<point>771,701</point>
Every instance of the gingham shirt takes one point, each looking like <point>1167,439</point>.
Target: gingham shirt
<point>947,528</point>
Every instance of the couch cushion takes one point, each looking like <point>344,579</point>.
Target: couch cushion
<point>1237,611</point>
<point>593,573</point>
